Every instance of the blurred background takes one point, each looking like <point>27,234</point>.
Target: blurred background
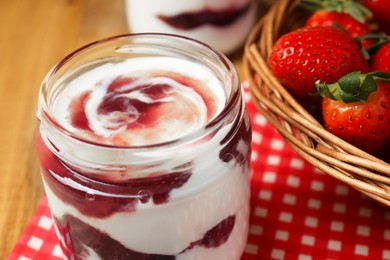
<point>34,35</point>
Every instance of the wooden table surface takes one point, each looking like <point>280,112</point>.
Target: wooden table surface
<point>34,35</point>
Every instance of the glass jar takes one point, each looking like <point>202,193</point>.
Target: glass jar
<point>138,189</point>
<point>223,24</point>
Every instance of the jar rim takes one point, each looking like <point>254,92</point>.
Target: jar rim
<point>231,100</point>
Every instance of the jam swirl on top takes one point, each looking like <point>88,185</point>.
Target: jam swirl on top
<point>141,111</point>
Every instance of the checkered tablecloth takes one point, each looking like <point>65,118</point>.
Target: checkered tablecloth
<point>297,212</point>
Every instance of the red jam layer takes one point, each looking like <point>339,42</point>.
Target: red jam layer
<point>58,176</point>
<point>76,235</point>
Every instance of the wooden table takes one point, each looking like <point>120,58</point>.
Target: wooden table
<point>34,35</point>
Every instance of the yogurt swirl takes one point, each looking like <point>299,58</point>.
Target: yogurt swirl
<point>150,108</point>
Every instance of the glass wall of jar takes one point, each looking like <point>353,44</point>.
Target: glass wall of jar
<point>144,147</point>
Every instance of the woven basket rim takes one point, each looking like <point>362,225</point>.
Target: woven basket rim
<point>299,128</point>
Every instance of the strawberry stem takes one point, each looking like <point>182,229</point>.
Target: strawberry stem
<point>353,87</point>
<point>381,39</point>
<point>380,75</point>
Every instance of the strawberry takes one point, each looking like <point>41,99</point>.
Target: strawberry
<point>350,15</point>
<point>301,57</point>
<point>381,59</point>
<point>328,18</point>
<point>357,109</point>
<point>381,12</point>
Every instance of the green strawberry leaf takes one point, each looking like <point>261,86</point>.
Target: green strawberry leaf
<point>311,5</point>
<point>353,87</point>
<point>380,75</point>
<point>358,90</point>
<point>354,11</point>
<point>350,82</point>
<point>325,90</point>
<point>364,10</point>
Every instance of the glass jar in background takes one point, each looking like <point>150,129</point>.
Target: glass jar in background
<point>222,24</point>
<point>144,149</point>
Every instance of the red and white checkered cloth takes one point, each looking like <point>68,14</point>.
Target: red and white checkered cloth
<point>297,212</point>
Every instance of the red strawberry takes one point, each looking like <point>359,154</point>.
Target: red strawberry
<point>352,26</point>
<point>350,15</point>
<point>357,109</point>
<point>301,57</point>
<point>381,12</point>
<point>381,59</point>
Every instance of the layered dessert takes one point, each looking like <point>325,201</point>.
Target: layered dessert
<point>223,24</point>
<point>141,159</point>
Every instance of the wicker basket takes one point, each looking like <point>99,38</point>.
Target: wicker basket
<point>300,129</point>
